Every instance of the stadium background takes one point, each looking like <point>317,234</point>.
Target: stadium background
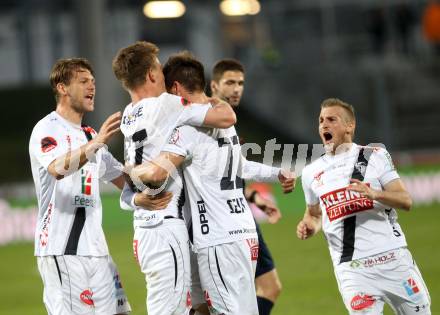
<point>377,56</point>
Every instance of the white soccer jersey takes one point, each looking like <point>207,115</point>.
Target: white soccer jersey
<point>70,211</point>
<point>214,184</point>
<point>146,126</point>
<point>354,226</point>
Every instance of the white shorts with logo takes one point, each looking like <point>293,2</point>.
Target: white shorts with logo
<point>227,275</point>
<point>82,285</point>
<point>163,255</point>
<point>391,277</point>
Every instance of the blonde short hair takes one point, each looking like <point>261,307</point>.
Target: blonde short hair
<point>349,109</point>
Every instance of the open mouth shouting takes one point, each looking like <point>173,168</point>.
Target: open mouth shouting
<point>90,96</point>
<point>327,137</point>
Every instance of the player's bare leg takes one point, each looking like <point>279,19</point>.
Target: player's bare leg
<point>268,286</point>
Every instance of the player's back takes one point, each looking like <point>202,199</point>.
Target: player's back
<point>212,173</point>
<point>146,126</point>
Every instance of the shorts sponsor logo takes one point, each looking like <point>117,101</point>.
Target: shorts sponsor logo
<point>48,144</point>
<point>86,297</point>
<point>411,287</point>
<point>361,301</point>
<point>211,308</point>
<point>188,300</point>
<point>342,202</point>
<point>117,280</point>
<point>355,264</point>
<point>253,246</point>
<point>208,299</point>
<point>135,250</point>
<point>379,260</point>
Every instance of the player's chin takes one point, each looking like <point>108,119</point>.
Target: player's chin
<point>89,107</point>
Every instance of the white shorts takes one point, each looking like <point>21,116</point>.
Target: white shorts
<point>227,277</point>
<point>391,277</point>
<point>197,296</point>
<point>163,255</point>
<point>82,285</point>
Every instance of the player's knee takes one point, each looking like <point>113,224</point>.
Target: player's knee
<point>269,289</point>
<point>276,290</point>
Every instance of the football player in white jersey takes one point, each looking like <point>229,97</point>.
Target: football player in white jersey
<point>228,78</point>
<point>223,228</point>
<point>351,194</point>
<point>160,239</point>
<point>68,160</point>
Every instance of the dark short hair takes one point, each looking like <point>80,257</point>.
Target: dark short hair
<point>224,65</point>
<point>132,63</point>
<point>64,70</point>
<point>184,68</point>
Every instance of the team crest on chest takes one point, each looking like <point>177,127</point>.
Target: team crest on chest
<point>318,178</point>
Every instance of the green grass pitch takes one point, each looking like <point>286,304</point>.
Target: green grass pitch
<point>309,286</point>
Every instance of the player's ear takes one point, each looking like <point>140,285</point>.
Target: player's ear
<point>61,88</point>
<point>149,76</point>
<point>175,88</point>
<point>214,87</point>
<point>351,126</point>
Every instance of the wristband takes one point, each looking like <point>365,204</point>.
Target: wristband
<point>251,198</point>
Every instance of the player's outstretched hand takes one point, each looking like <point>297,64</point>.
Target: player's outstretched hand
<point>303,231</point>
<point>156,202</point>
<point>268,207</point>
<point>108,128</point>
<point>287,180</point>
<point>362,188</point>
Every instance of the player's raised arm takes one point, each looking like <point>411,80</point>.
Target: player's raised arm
<point>310,224</point>
<point>263,173</point>
<point>221,115</point>
<point>72,161</point>
<point>267,206</point>
<point>394,194</point>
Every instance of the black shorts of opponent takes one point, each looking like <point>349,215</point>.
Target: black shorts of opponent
<point>265,261</point>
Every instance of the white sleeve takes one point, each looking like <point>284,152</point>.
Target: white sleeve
<point>47,144</point>
<point>383,166</point>
<point>310,196</point>
<point>259,172</point>
<point>194,115</point>
<point>110,168</point>
<point>182,141</point>
<point>188,114</point>
<point>126,201</point>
